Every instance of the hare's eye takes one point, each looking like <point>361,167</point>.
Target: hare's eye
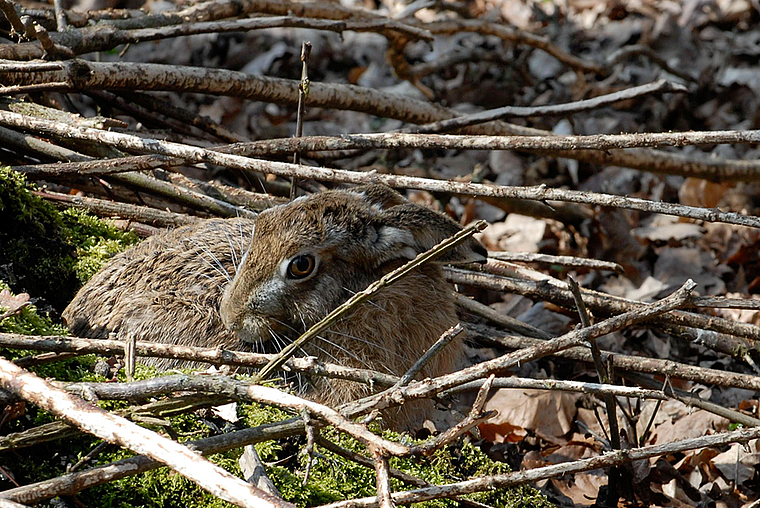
<point>301,266</point>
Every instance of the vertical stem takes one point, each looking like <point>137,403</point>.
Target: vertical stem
<point>62,23</point>
<point>609,399</point>
<point>382,472</point>
<point>303,92</point>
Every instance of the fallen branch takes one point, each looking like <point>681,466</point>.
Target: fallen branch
<point>120,431</point>
<point>539,193</point>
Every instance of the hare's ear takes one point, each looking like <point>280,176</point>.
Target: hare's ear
<point>379,195</point>
<point>415,229</point>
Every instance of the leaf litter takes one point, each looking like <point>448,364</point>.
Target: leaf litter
<point>715,43</point>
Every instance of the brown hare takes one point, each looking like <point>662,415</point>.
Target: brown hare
<point>267,280</point>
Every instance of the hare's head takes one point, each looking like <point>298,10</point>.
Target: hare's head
<point>309,256</point>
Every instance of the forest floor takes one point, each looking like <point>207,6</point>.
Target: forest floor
<point>621,132</point>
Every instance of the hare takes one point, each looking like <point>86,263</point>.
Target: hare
<point>292,265</point>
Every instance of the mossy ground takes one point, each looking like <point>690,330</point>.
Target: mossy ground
<point>49,254</point>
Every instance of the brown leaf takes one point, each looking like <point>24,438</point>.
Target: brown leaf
<point>12,304</point>
<point>549,414</point>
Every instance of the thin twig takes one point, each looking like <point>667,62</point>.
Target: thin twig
<point>12,16</point>
<point>565,261</point>
<point>303,93</point>
<point>599,302</point>
<point>629,363</point>
<point>433,350</point>
<point>60,16</point>
<point>475,417</point>
<point>609,401</point>
<point>105,208</point>
<point>214,356</point>
<point>539,193</point>
<point>505,321</point>
<point>70,484</point>
<point>383,481</point>
<point>661,86</point>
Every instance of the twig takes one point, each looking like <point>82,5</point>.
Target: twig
<point>640,49</point>
<point>214,356</point>
<point>17,310</point>
<point>59,429</point>
<point>28,144</point>
<point>254,472</point>
<point>105,37</point>
<point>693,401</point>
<point>510,34</point>
<point>70,484</point>
<point>303,93</point>
<point>661,86</point>
<point>32,360</point>
<point>5,503</point>
<point>183,195</point>
<point>505,321</point>
<point>655,366</point>
<point>146,113</point>
<point>565,261</point>
<point>12,16</point>
<point>383,481</point>
<point>94,75</point>
<point>90,455</point>
<point>475,417</point>
<point>196,120</point>
<point>60,16</point>
<point>713,169</point>
<point>557,384</point>
<point>216,10</point>
<point>311,433</point>
<point>609,401</point>
<point>433,350</point>
<point>117,430</point>
<point>395,473</point>
<point>274,397</point>
<point>599,302</point>
<point>9,66</point>
<point>105,208</point>
<point>234,195</point>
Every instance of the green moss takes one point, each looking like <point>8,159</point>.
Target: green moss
<point>96,241</point>
<point>333,478</point>
<point>29,321</point>
<point>46,253</point>
<point>159,488</point>
<point>35,255</point>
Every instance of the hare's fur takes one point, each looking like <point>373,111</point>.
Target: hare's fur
<point>194,286</point>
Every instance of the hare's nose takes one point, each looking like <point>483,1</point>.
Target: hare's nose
<point>232,318</point>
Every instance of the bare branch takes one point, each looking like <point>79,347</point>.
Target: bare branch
<point>117,430</point>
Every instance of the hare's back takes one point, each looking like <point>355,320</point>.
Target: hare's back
<point>171,280</point>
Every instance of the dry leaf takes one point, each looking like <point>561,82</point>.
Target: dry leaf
<point>548,413</point>
<point>12,304</point>
<point>738,463</point>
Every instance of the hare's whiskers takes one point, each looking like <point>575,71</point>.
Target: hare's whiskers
<point>216,265</point>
